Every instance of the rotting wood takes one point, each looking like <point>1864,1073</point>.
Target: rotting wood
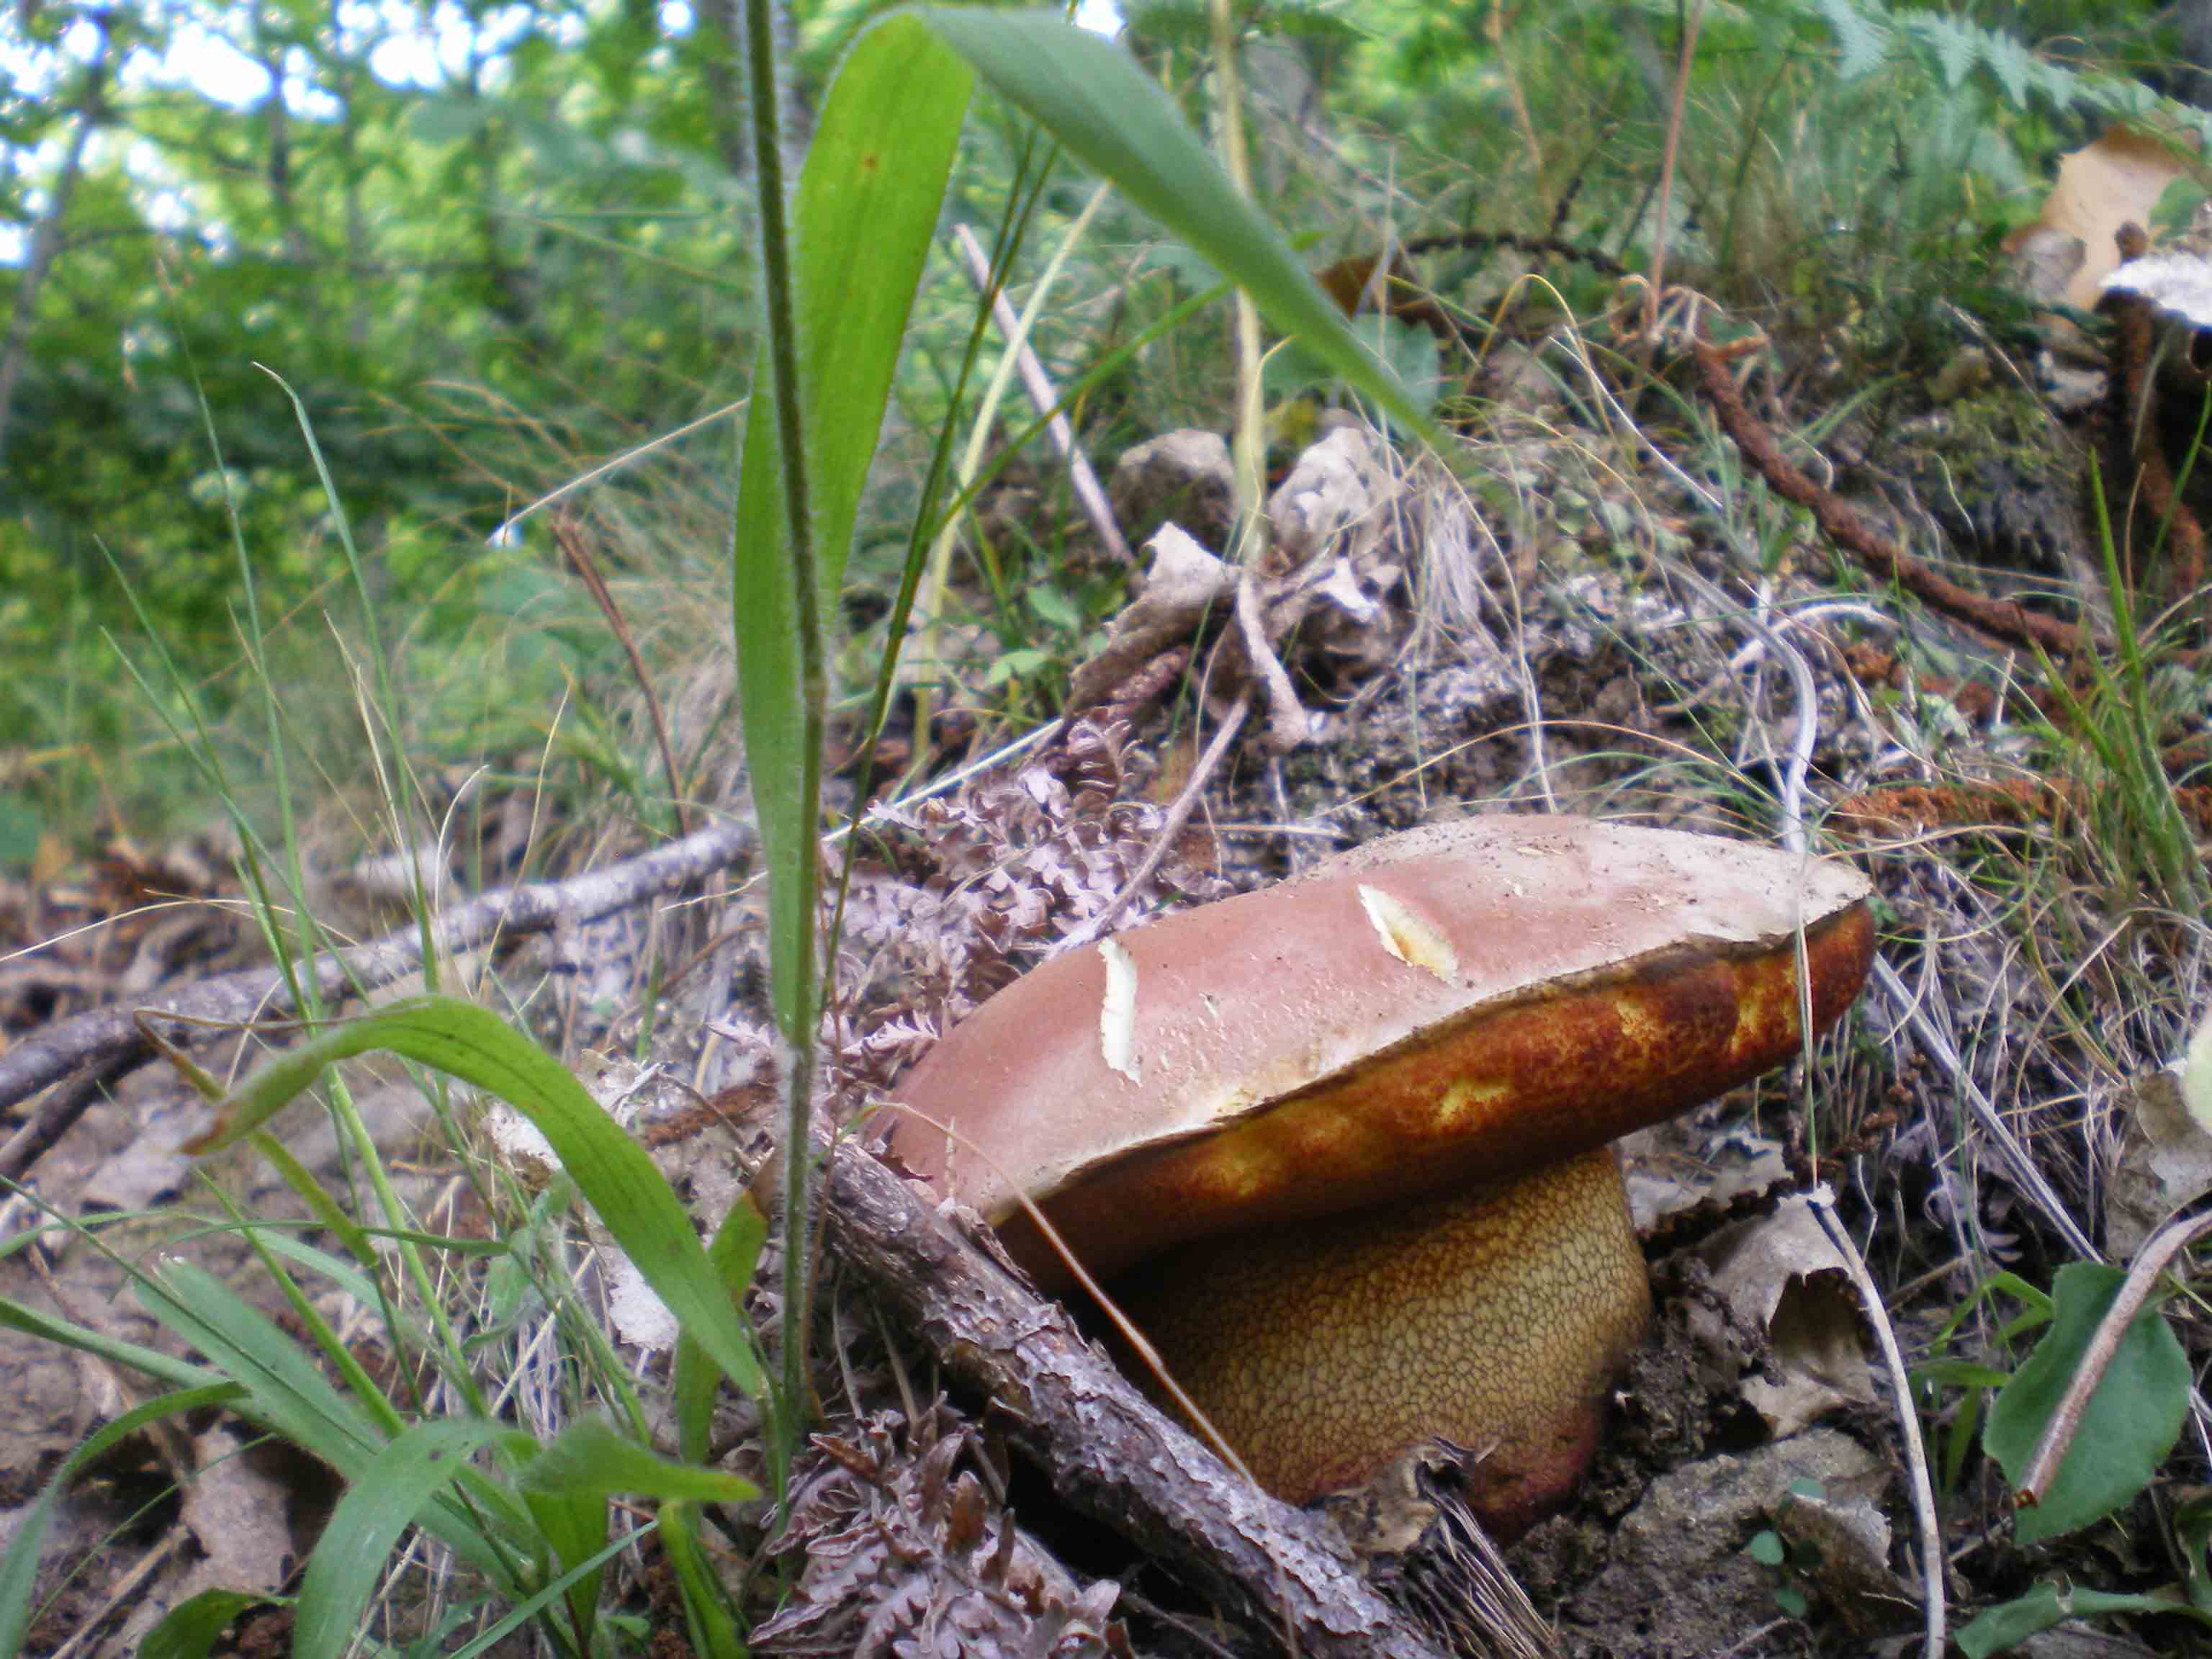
<point>109,1037</point>
<point>2132,397</point>
<point>1110,1453</point>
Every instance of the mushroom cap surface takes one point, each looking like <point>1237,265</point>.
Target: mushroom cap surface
<point>1461,1003</point>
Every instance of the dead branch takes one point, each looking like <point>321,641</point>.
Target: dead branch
<point>1045,401</point>
<point>1109,1450</point>
<point>110,1038</point>
<point>2005,620</point>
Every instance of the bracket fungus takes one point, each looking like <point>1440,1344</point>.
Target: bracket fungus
<point>1342,1145</point>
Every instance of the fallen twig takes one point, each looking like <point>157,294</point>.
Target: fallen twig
<point>2006,620</point>
<point>1109,1452</point>
<point>1047,403</point>
<point>110,1036</point>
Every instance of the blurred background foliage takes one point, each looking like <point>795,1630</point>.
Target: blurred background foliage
<point>494,245</point>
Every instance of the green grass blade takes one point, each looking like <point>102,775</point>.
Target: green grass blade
<point>568,1485</point>
<point>867,202</point>
<point>379,1505</point>
<point>285,1394</point>
<point>615,1173</point>
<point>575,1523</point>
<point>20,1568</point>
<point>284,1390</point>
<point>590,1457</point>
<point>523,1611</point>
<point>712,1621</point>
<point>1089,95</point>
<point>325,1210</point>
<point>734,1254</point>
<point>177,1373</point>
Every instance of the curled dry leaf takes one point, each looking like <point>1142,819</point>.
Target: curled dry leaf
<point>2164,1162</point>
<point>1779,1275</point>
<point>2113,181</point>
<point>1183,586</point>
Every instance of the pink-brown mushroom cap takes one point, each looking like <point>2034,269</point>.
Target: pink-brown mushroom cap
<point>1453,1005</point>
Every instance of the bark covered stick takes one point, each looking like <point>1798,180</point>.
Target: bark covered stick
<point>110,1035</point>
<point>1109,1452</point>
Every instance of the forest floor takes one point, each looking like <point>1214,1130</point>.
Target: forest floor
<point>1584,619</point>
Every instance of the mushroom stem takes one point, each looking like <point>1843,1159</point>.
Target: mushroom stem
<point>1496,1320</point>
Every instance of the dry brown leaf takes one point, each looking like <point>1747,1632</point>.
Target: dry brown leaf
<point>1779,1275</point>
<point>2113,181</point>
<point>2165,1162</point>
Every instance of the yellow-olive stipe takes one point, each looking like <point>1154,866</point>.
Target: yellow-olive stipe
<point>1496,1320</point>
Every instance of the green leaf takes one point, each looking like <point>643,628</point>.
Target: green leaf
<point>568,1483</point>
<point>190,1631</point>
<point>1959,1374</point>
<point>1054,607</point>
<point>2128,1426</point>
<point>866,206</point>
<point>1765,1548</point>
<point>614,1173</point>
<point>590,1458</point>
<point>392,1488</point>
<point>19,1570</point>
<point>2010,1623</point>
<point>1089,95</point>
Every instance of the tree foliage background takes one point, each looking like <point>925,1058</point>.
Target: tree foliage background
<point>491,244</point>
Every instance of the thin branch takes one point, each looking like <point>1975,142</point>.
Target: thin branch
<point>2005,620</point>
<point>1089,495</point>
<point>110,1036</point>
<point>1107,1450</point>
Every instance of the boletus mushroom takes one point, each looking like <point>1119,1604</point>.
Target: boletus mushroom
<point>1341,1146</point>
